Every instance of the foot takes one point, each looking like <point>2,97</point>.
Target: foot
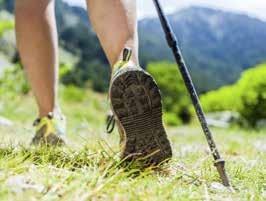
<point>136,104</point>
<point>50,130</point>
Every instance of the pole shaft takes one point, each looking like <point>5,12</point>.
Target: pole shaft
<point>172,42</point>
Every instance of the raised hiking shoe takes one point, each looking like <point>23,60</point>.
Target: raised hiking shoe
<point>50,130</point>
<point>137,107</point>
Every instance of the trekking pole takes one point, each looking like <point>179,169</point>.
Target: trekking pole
<point>172,42</point>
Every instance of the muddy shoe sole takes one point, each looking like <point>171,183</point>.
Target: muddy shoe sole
<point>136,103</point>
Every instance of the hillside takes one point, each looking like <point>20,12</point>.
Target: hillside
<point>89,167</point>
<point>217,45</point>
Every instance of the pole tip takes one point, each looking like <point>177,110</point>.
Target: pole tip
<point>220,165</point>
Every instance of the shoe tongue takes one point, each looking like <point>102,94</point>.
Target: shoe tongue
<point>127,53</point>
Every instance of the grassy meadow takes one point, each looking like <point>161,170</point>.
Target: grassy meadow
<point>89,167</point>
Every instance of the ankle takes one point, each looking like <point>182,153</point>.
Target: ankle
<point>127,54</point>
<point>43,112</point>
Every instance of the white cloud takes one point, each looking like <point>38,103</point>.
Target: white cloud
<point>256,8</point>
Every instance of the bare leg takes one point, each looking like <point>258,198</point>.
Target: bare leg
<point>115,22</point>
<point>38,46</point>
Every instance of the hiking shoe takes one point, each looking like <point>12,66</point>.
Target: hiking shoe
<point>50,130</point>
<point>137,107</point>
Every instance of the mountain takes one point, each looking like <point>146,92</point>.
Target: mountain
<point>217,45</point>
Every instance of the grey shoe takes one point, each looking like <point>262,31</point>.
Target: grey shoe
<point>50,130</point>
<point>137,107</point>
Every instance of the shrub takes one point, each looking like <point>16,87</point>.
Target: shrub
<point>92,72</point>
<point>72,93</point>
<point>6,25</point>
<point>225,98</point>
<point>252,86</point>
<point>13,82</point>
<point>171,119</point>
<point>174,94</point>
<point>64,69</point>
<point>247,96</point>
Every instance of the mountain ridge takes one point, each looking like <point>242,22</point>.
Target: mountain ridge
<point>217,45</point>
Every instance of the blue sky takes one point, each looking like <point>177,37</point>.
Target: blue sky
<point>255,8</point>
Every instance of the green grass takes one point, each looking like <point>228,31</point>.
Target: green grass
<point>89,168</point>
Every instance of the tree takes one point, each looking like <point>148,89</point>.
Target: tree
<point>174,94</point>
<point>252,85</point>
<point>247,96</point>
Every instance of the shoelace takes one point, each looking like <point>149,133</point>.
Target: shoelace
<point>110,124</point>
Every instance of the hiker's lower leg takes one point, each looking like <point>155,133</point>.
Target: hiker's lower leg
<point>115,22</point>
<point>38,47</point>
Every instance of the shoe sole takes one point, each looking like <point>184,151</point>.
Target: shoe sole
<point>136,103</point>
